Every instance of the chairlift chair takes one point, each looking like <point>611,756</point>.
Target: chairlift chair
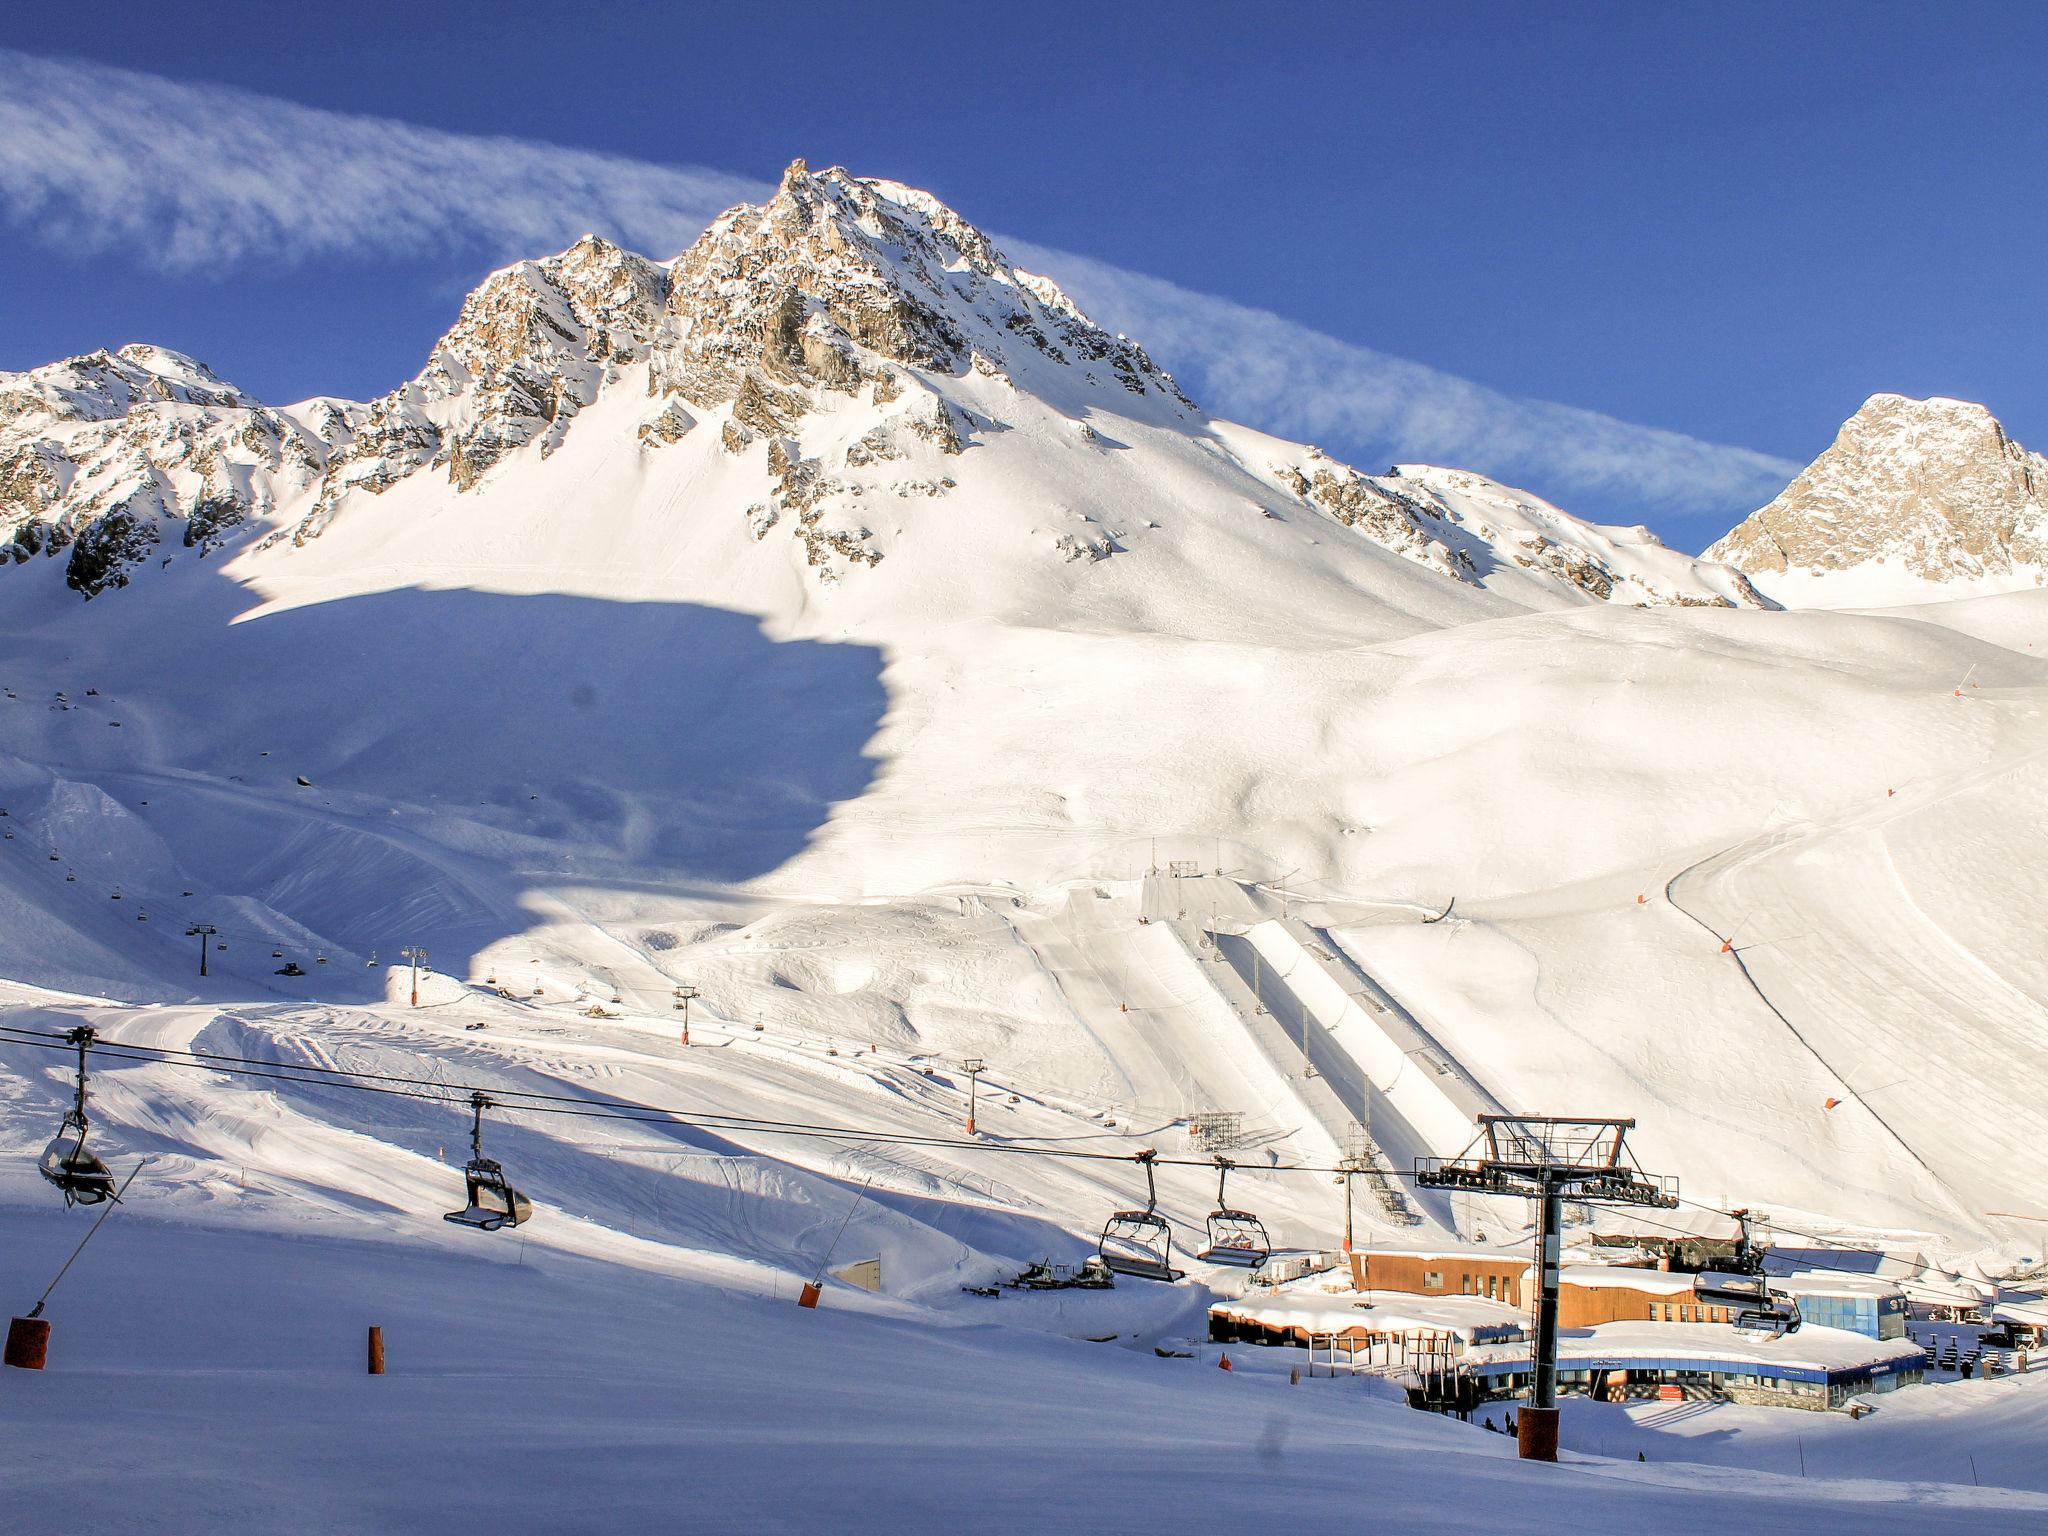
<point>1140,1243</point>
<point>1739,1284</point>
<point>1235,1237</point>
<point>1759,1311</point>
<point>493,1203</point>
<point>1776,1318</point>
<point>83,1178</point>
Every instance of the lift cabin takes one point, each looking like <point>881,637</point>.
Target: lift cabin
<point>1140,1243</point>
<point>493,1203</point>
<point>1758,1310</point>
<point>1235,1237</point>
<point>83,1178</point>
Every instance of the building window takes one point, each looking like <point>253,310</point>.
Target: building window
<point>1467,1286</point>
<point>1432,1280</point>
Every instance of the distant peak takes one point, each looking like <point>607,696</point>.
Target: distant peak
<point>1932,487</point>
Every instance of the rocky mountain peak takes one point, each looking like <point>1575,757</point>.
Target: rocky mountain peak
<point>100,454</point>
<point>1933,488</point>
<point>103,385</point>
<point>837,275</point>
<point>823,366</point>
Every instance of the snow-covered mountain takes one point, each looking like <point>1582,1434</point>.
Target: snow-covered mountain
<point>102,457</point>
<point>851,371</point>
<point>833,620</point>
<point>1914,500</point>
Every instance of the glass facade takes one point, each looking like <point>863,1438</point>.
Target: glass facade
<point>1875,1317</point>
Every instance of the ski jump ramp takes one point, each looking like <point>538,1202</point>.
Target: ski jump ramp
<point>1403,1065</point>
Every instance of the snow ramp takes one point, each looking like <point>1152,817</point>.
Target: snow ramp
<point>1404,1065</point>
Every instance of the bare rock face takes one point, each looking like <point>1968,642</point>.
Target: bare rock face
<point>835,276</point>
<point>103,458</point>
<point>834,353</point>
<point>1934,486</point>
<point>532,347</point>
<point>1407,524</point>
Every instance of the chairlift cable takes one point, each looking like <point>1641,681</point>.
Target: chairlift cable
<point>574,1107</point>
<point>37,1309</point>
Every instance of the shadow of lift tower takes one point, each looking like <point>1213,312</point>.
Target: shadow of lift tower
<point>1548,1159</point>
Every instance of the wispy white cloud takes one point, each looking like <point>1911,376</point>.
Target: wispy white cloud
<point>188,176</point>
<point>1254,366</point>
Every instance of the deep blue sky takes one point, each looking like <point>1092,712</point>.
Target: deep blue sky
<point>1735,221</point>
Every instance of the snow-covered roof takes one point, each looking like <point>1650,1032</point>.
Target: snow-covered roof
<point>1618,1276</point>
<point>1311,1306</point>
<point>1814,1282</point>
<point>1843,1261</point>
<point>1811,1348</point>
<point>1505,1253</point>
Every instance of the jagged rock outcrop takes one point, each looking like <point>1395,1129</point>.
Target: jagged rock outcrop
<point>532,347</point>
<point>1467,527</point>
<point>110,455</point>
<point>836,276</point>
<point>1408,525</point>
<point>816,368</point>
<point>1932,488</point>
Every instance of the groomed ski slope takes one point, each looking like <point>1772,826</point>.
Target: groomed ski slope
<point>206,1376</point>
<point>659,768</point>
<point>583,736</point>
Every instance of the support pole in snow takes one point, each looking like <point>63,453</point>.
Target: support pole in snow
<point>1538,1422</point>
<point>684,993</point>
<point>418,957</point>
<point>1357,1159</point>
<point>376,1350</point>
<point>973,1066</point>
<point>204,931</point>
<point>1546,1159</point>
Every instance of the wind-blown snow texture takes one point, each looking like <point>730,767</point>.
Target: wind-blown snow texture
<point>836,620</point>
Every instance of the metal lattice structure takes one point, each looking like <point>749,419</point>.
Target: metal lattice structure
<point>1529,1155</point>
<point>1548,1159</point>
<point>1216,1130</point>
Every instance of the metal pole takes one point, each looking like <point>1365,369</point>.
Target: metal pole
<point>974,1066</point>
<point>37,1310</point>
<point>1536,1425</point>
<point>415,954</point>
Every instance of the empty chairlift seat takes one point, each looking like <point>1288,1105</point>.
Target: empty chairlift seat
<point>66,1163</point>
<point>492,1201</point>
<point>1139,1243</point>
<point>1757,1309</point>
<point>1235,1237</point>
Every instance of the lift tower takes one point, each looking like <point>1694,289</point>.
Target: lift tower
<point>1546,1158</point>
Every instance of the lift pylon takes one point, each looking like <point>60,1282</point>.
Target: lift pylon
<point>1544,1158</point>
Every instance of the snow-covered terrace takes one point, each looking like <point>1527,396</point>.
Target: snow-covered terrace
<point>1811,1354</point>
<point>1314,1309</point>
